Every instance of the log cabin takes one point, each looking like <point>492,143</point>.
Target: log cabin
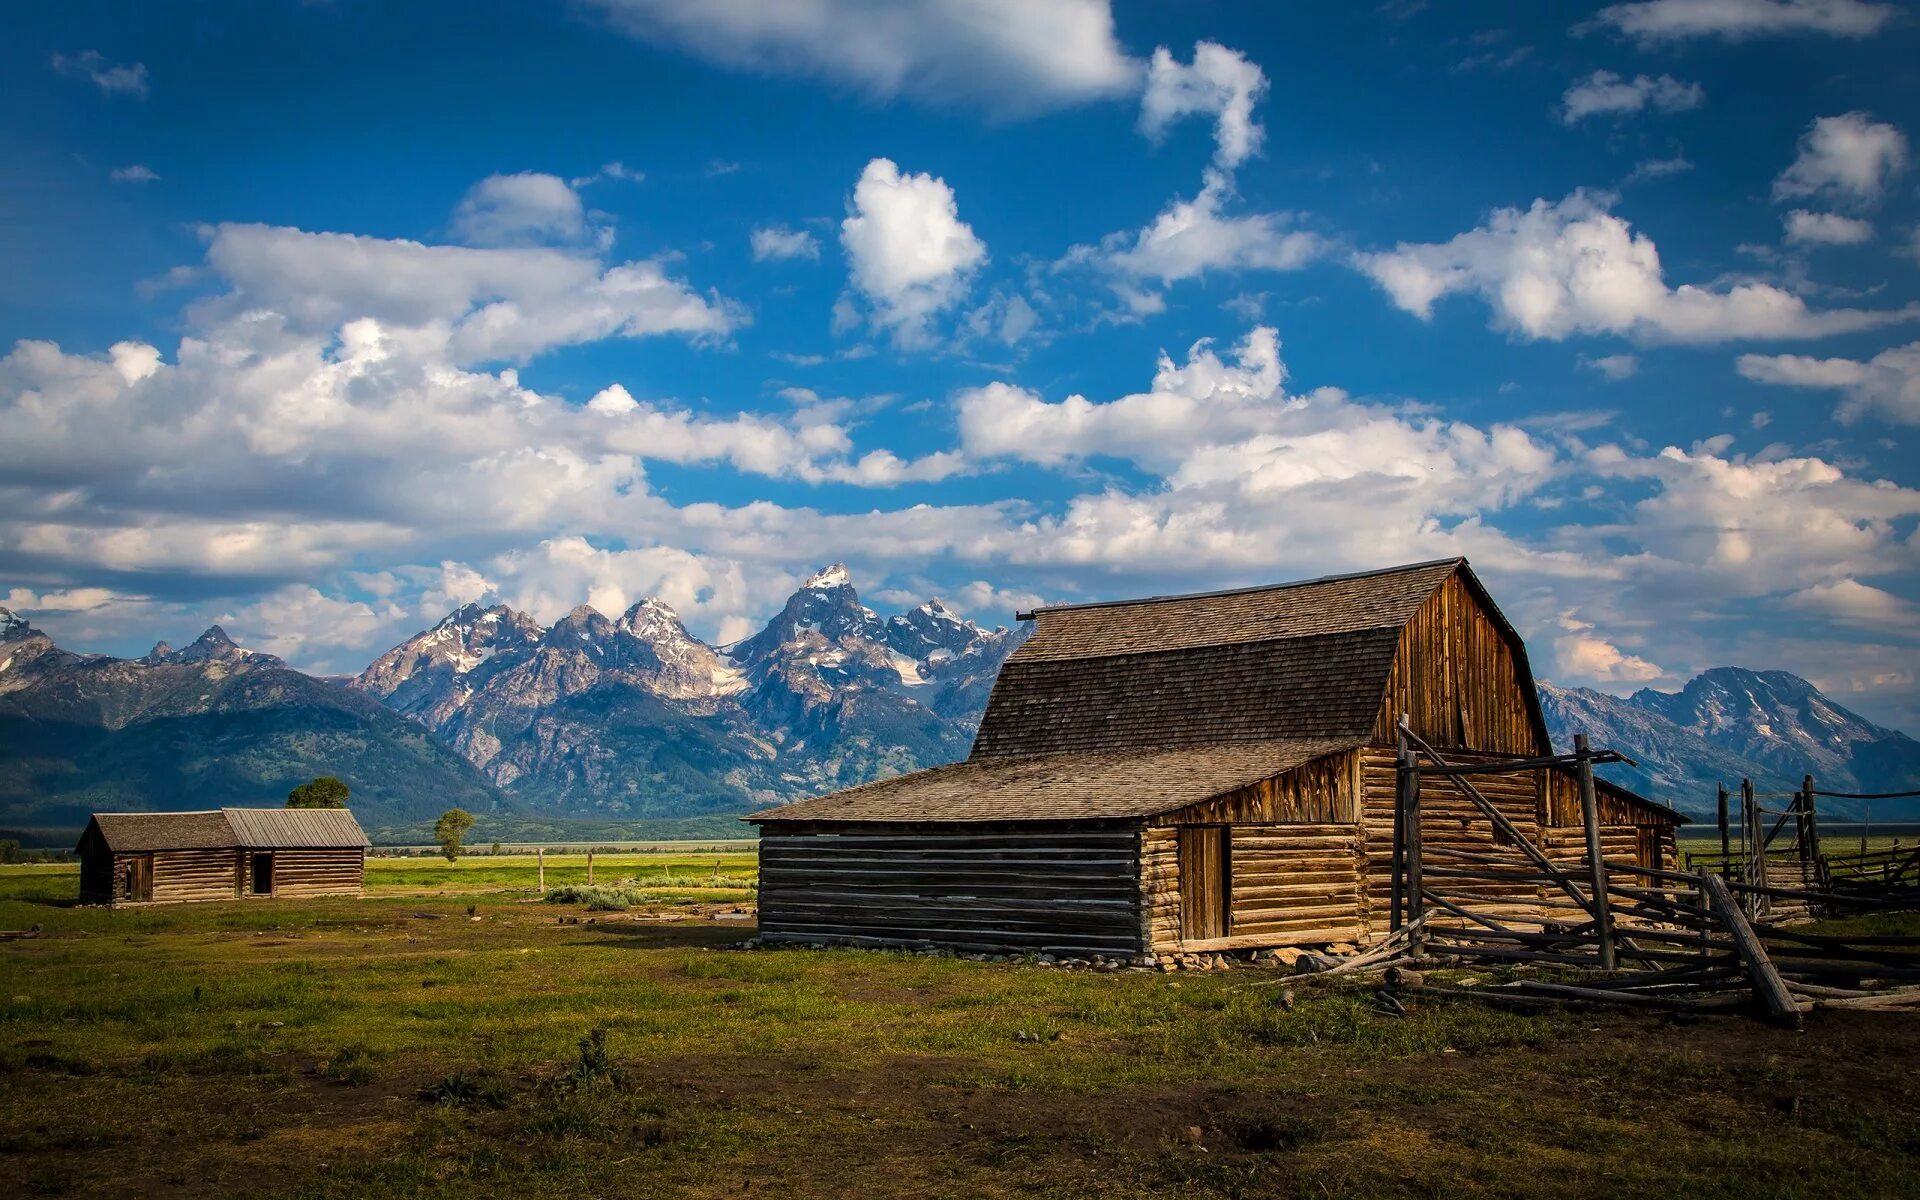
<point>223,854</point>
<point>1192,774</point>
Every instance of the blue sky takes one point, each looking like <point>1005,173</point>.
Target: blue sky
<point>326,317</point>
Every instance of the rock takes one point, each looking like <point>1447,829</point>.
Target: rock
<point>1288,955</point>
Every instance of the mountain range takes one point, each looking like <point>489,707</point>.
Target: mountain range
<point>615,718</point>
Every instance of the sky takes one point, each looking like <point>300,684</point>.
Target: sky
<point>320,319</point>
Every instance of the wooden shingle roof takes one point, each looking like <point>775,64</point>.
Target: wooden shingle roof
<point>124,832</point>
<point>1114,785</point>
<point>1295,660</point>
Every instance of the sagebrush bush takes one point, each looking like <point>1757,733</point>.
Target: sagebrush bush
<point>596,898</point>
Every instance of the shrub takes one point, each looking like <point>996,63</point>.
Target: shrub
<point>475,1089</point>
<point>597,898</point>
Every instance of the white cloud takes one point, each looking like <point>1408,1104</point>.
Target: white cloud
<point>1220,83</point>
<point>525,209</point>
<point>1605,92</point>
<point>1615,367</point>
<point>1561,269</point>
<point>613,170</point>
<point>1826,229</point>
<point>1193,237</point>
<point>1736,20</point>
<point>1009,56</point>
<point>111,78</point>
<point>1850,156</point>
<point>1862,605</point>
<point>1657,168</point>
<point>776,242</point>
<point>484,304</point>
<point>134,174</point>
<point>1887,385</point>
<point>909,252</point>
<point>1584,654</point>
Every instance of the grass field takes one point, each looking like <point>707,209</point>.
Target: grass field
<point>396,1046</point>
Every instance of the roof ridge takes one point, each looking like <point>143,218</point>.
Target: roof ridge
<point>1455,560</point>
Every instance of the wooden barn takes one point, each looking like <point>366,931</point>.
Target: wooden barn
<point>225,854</point>
<point>1194,774</point>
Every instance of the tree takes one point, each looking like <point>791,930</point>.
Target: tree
<point>324,792</point>
<point>448,830</point>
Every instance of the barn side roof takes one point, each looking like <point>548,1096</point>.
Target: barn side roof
<point>1294,660</point>
<point>296,828</point>
<point>230,828</point>
<point>1113,785</point>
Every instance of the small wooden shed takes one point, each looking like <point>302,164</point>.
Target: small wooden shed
<point>1193,773</point>
<point>223,854</point>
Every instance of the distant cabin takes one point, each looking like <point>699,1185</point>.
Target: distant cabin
<point>1194,773</point>
<point>225,854</point>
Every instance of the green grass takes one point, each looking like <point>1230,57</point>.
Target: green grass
<point>396,1046</point>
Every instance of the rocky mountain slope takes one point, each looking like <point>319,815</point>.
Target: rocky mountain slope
<point>634,716</point>
<point>207,725</point>
<point>1730,723</point>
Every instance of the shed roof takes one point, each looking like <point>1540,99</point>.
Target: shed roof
<point>1109,785</point>
<point>230,828</point>
<point>296,828</point>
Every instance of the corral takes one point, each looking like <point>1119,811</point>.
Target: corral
<point>1196,774</point>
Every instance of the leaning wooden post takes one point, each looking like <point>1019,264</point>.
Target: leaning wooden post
<point>1410,785</point>
<point>540,857</point>
<point>1590,815</point>
<point>1726,850</point>
<point>1397,905</point>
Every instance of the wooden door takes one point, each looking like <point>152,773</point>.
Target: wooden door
<point>1206,882</point>
<point>140,877</point>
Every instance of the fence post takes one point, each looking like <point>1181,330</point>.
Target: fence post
<point>1726,850</point>
<point>1397,905</point>
<point>540,856</point>
<point>1408,797</point>
<point>1590,815</point>
<point>589,866</point>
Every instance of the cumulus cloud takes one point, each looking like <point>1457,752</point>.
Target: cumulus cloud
<point>1851,157</point>
<point>1584,654</point>
<point>1220,83</point>
<point>776,242</point>
<point>1191,238</point>
<point>1858,604</point>
<point>1604,92</point>
<point>1737,20</point>
<point>1560,269</point>
<point>1886,386</point>
<point>1008,56</point>
<point>524,209</point>
<point>909,253</point>
<point>1825,229</point>
<point>484,304</point>
<point>112,78</point>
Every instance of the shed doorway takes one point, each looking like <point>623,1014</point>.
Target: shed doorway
<point>263,874</point>
<point>1206,881</point>
<point>139,880</point>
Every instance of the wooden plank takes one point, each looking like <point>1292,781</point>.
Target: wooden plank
<point>1766,980</point>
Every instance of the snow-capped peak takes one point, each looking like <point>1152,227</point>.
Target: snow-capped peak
<point>834,576</point>
<point>654,620</point>
<point>13,625</point>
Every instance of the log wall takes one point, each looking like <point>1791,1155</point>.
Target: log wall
<point>1060,889</point>
<point>1293,883</point>
<point>311,872</point>
<point>1448,819</point>
<point>183,875</point>
<point>1458,680</point>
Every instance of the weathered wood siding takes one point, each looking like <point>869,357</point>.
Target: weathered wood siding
<point>1319,792</point>
<point>1458,681</point>
<point>310,872</point>
<point>96,876</point>
<point>1447,819</point>
<point>1290,883</point>
<point>1062,889</point>
<point>184,875</point>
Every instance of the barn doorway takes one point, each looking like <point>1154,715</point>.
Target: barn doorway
<point>1206,881</point>
<point>263,874</point>
<point>139,881</point>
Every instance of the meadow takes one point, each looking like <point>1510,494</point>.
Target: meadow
<point>453,1034</point>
